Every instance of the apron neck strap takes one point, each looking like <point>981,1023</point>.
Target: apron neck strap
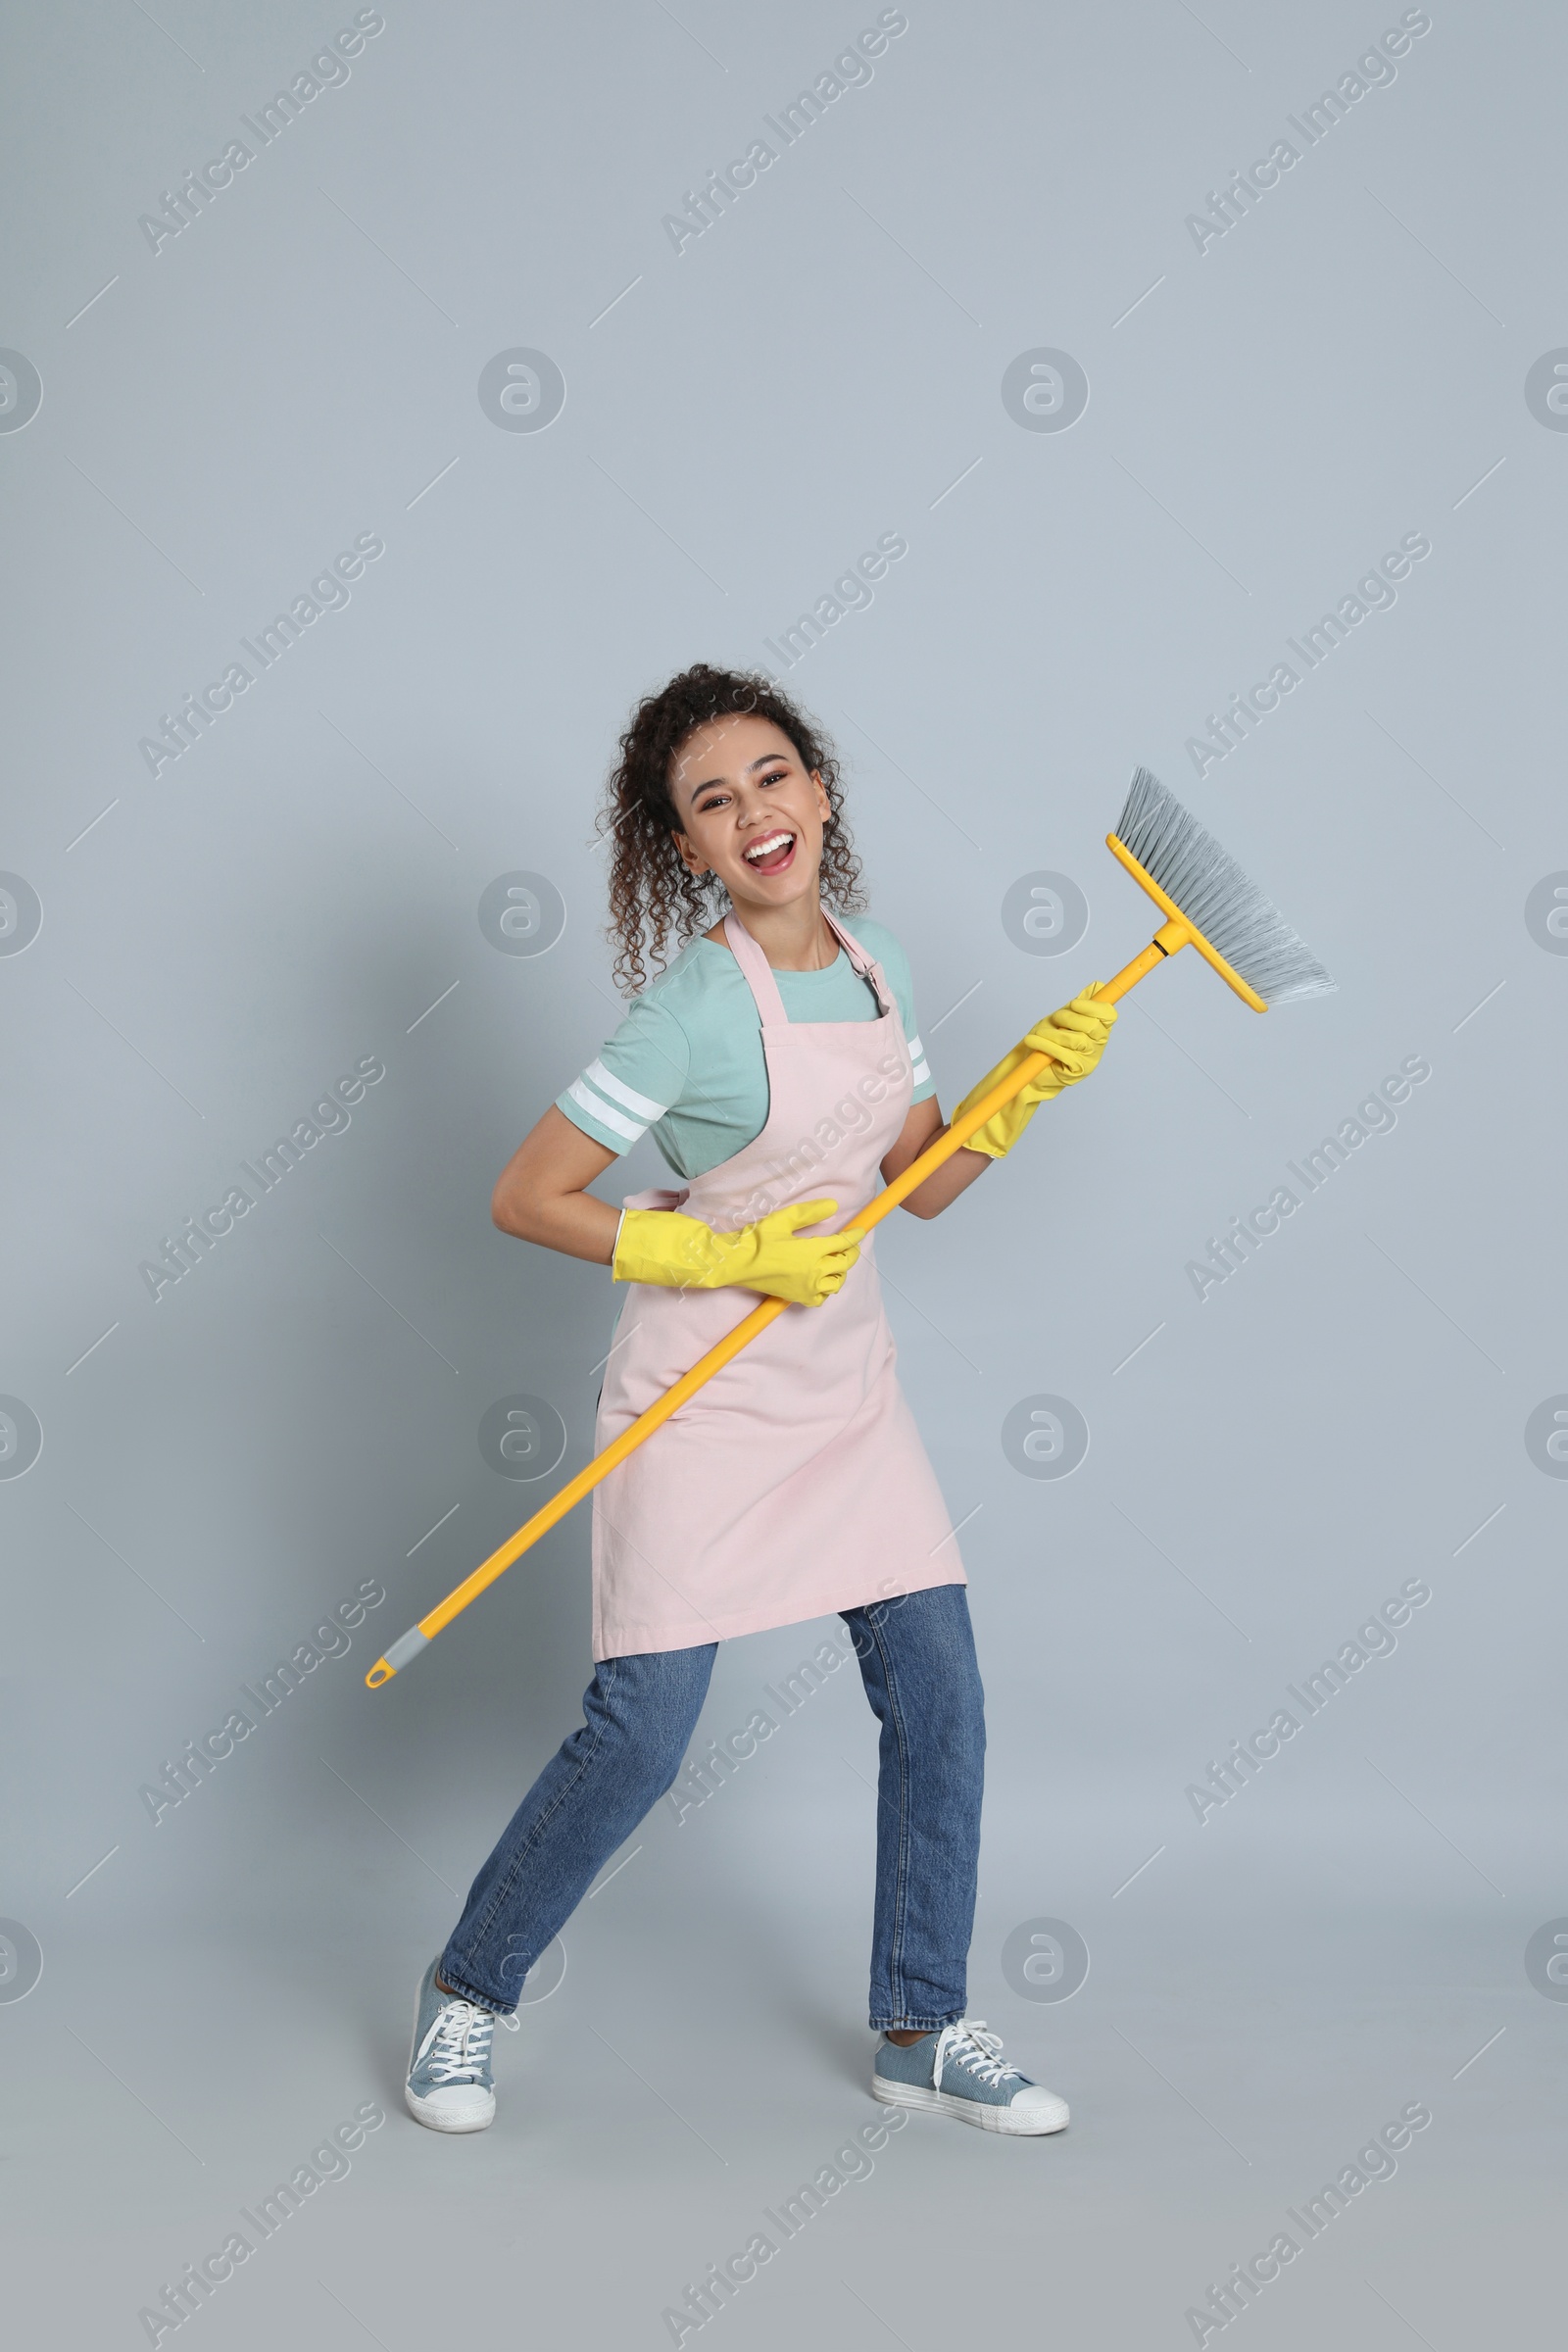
<point>864,962</point>
<point>758,972</point>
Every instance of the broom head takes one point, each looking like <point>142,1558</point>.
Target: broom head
<point>1232,924</point>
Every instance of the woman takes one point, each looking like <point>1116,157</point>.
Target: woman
<point>777,1062</point>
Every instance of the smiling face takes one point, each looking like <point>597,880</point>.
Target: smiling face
<point>750,813</point>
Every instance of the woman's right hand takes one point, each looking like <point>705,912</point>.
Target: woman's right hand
<point>659,1245</point>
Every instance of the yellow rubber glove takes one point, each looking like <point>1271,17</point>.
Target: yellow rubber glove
<point>1075,1037</point>
<point>657,1245</point>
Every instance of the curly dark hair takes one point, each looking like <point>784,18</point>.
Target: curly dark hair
<point>656,905</point>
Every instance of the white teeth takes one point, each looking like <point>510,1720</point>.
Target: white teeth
<point>767,849</point>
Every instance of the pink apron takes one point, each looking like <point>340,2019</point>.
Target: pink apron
<point>795,1483</point>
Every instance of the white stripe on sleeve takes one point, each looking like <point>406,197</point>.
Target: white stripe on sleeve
<point>918,1058</point>
<point>604,1113</point>
<point>627,1095</point>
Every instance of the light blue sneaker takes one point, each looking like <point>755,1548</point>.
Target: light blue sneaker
<point>450,2085</point>
<point>961,2072</point>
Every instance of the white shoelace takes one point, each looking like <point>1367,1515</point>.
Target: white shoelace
<point>974,2049</point>
<point>458,2044</point>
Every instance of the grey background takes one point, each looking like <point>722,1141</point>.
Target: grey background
<point>1265,419</point>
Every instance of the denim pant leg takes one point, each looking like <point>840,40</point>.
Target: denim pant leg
<point>639,1714</point>
<point>917,1664</point>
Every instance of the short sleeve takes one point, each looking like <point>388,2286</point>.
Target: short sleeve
<point>635,1078</point>
<point>895,964</point>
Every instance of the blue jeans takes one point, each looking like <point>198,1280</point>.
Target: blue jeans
<point>917,1662</point>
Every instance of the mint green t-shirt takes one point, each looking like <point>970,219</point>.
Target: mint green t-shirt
<point>688,1058</point>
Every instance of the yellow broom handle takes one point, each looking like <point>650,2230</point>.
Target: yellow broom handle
<point>409,1646</point>
<point>1166,940</point>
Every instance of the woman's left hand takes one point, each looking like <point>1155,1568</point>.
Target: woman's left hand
<point>1074,1037</point>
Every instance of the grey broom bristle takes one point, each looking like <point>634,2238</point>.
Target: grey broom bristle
<point>1216,897</point>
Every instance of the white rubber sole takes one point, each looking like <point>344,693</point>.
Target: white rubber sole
<point>931,2101</point>
<point>425,2111</point>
